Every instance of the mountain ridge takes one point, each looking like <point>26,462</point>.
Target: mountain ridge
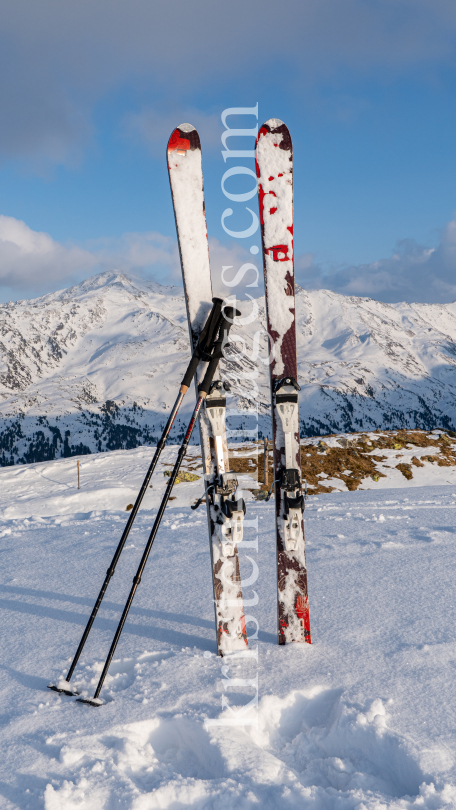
<point>97,366</point>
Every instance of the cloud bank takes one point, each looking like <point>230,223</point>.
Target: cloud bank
<point>28,257</point>
<point>58,59</point>
<point>413,273</point>
<point>32,262</point>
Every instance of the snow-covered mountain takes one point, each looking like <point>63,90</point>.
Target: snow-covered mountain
<point>97,366</point>
<point>366,365</point>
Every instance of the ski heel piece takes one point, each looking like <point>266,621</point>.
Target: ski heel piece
<point>215,406</point>
<point>293,508</point>
<point>286,400</point>
<point>228,513</point>
<point>230,524</point>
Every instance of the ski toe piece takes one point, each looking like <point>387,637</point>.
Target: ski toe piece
<point>62,690</point>
<point>90,701</point>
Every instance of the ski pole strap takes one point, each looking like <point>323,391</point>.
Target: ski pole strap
<point>200,500</point>
<point>205,343</point>
<point>228,315</point>
<point>268,496</point>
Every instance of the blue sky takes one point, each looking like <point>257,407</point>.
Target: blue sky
<point>90,91</point>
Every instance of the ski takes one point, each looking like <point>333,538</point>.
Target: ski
<point>225,507</point>
<point>274,164</point>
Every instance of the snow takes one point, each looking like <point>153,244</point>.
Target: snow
<point>362,719</point>
<point>274,123</point>
<point>186,127</point>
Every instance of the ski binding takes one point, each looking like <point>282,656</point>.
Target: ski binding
<point>228,513</point>
<point>215,407</point>
<point>286,398</point>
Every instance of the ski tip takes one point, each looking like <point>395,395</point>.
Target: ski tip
<point>185,137</point>
<point>91,701</point>
<point>275,126</point>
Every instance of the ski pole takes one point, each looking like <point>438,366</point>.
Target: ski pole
<point>202,352</point>
<point>225,326</point>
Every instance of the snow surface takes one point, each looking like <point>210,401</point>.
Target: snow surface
<point>363,719</point>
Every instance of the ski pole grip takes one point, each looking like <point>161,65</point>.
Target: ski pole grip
<point>206,341</point>
<point>228,315</point>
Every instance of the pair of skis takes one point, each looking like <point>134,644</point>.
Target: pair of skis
<point>274,164</point>
<point>225,506</point>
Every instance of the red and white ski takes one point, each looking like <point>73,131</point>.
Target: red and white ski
<point>225,509</point>
<point>274,163</point>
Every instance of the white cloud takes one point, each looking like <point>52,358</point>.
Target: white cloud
<point>30,259</point>
<point>149,253</point>
<point>33,262</point>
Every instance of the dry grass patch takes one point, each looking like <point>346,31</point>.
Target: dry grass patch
<point>182,476</point>
<point>356,455</point>
<point>354,458</point>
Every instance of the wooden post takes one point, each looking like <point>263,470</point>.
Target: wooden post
<point>266,451</point>
<point>79,479</point>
